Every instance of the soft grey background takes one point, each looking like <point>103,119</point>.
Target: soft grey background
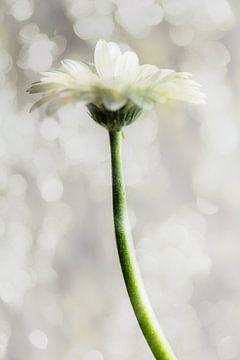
<point>61,292</point>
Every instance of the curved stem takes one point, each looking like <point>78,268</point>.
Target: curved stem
<point>140,303</point>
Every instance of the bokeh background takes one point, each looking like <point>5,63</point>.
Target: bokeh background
<point>61,291</point>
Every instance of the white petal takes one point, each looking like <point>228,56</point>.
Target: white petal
<point>104,57</point>
<point>114,50</point>
<point>162,76</point>
<point>146,71</point>
<point>150,75</point>
<point>55,77</point>
<point>76,71</point>
<point>126,66</point>
<point>142,101</point>
<point>166,72</point>
<point>179,87</point>
<point>74,67</point>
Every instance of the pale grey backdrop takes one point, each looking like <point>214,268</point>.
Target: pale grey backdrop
<point>61,292</point>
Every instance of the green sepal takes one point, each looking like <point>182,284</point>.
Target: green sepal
<point>114,120</point>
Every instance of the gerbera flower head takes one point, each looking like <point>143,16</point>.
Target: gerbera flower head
<point>116,88</point>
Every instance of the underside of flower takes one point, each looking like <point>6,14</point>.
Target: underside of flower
<point>115,86</point>
<point>114,120</point>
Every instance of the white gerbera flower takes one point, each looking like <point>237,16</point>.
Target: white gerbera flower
<point>114,83</point>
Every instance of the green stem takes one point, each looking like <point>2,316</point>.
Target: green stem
<point>137,294</point>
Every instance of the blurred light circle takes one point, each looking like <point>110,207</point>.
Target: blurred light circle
<point>61,43</point>
<point>38,339</point>
<point>216,54</point>
<point>220,13</point>
<point>81,8</point>
<point>181,35</point>
<point>51,189</point>
<point>48,240</point>
<point>38,63</point>
<point>104,7</point>
<point>174,8</point>
<point>39,55</point>
<point>7,292</point>
<point>94,27</point>
<point>105,26</point>
<point>28,32</point>
<point>5,61</point>
<point>228,348</point>
<point>22,9</point>
<point>132,18</point>
<point>85,28</point>
<point>75,148</point>
<point>206,206</point>
<point>154,14</point>
<point>93,355</point>
<point>49,129</point>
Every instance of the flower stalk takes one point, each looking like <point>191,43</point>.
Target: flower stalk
<point>132,277</point>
